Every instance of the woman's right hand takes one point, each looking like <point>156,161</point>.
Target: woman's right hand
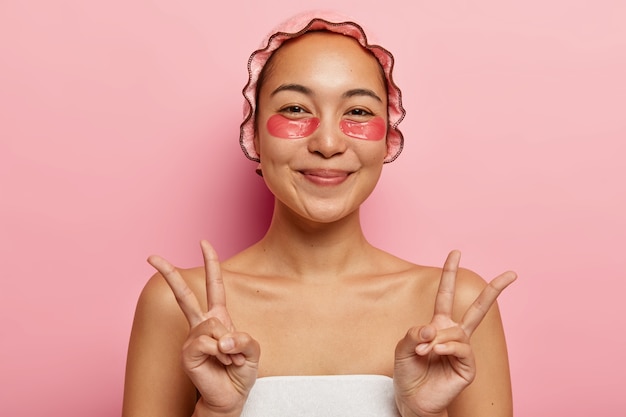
<point>221,362</point>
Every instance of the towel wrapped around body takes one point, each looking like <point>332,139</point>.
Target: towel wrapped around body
<point>324,395</point>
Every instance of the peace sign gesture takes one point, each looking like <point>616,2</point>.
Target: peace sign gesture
<point>221,362</point>
<point>435,362</point>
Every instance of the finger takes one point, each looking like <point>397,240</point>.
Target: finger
<point>451,334</point>
<point>241,347</point>
<point>415,337</point>
<point>212,326</point>
<point>461,351</point>
<point>464,362</point>
<point>445,294</point>
<point>185,298</point>
<point>214,329</point>
<point>479,308</point>
<point>198,349</point>
<point>216,294</point>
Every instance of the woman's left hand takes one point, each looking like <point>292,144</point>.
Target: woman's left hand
<point>435,362</point>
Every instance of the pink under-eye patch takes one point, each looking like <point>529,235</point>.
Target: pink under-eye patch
<point>373,129</point>
<point>282,127</point>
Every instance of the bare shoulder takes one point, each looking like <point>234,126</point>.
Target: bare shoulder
<point>423,281</point>
<point>158,296</point>
<point>156,292</point>
<point>468,286</point>
<point>158,332</point>
<point>157,313</point>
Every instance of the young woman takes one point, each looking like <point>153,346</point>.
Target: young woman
<point>312,319</point>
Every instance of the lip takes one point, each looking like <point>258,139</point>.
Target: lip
<point>325,176</point>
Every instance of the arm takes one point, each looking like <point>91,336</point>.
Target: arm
<point>489,395</point>
<point>156,383</point>
<point>436,363</point>
<point>218,361</point>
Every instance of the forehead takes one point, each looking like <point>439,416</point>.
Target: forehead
<point>319,53</point>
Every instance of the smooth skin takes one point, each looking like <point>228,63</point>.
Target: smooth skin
<point>221,362</point>
<point>435,363</point>
<point>313,296</point>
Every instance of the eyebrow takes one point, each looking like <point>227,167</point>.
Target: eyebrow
<point>361,92</point>
<point>293,87</point>
<point>299,88</point>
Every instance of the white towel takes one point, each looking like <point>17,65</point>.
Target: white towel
<point>322,396</point>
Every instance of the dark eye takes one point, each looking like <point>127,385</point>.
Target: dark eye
<point>293,109</point>
<point>359,112</point>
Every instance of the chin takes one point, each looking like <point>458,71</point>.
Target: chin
<point>328,214</point>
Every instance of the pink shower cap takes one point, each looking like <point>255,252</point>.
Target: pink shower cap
<point>295,27</point>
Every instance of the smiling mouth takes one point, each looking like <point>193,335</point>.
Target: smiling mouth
<point>325,176</point>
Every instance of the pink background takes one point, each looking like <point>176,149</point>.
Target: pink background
<point>119,126</point>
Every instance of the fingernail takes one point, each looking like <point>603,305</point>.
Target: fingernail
<point>227,344</point>
<point>421,348</point>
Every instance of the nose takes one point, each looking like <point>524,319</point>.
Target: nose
<point>328,140</point>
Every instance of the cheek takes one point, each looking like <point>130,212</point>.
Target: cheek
<point>281,127</point>
<point>374,129</point>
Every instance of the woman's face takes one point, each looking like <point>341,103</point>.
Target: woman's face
<point>321,125</point>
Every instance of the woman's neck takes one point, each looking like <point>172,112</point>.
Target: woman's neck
<point>310,250</point>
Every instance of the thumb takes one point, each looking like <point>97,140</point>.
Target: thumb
<point>417,339</point>
<point>241,346</point>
